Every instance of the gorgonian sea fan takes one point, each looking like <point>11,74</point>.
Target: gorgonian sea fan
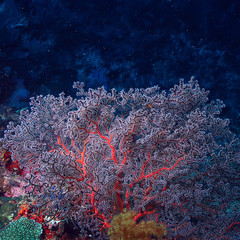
<point>167,156</point>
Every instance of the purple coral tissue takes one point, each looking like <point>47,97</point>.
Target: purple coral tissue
<point>168,156</point>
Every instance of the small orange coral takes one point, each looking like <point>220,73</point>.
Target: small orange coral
<point>124,227</point>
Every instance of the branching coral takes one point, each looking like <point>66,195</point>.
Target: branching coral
<point>168,156</point>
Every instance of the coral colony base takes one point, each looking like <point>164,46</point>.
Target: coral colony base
<point>168,157</point>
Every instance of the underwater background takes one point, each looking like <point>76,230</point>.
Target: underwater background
<point>47,45</point>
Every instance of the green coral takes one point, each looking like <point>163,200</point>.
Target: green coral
<point>22,229</point>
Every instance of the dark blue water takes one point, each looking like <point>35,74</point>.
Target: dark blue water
<point>46,45</point>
